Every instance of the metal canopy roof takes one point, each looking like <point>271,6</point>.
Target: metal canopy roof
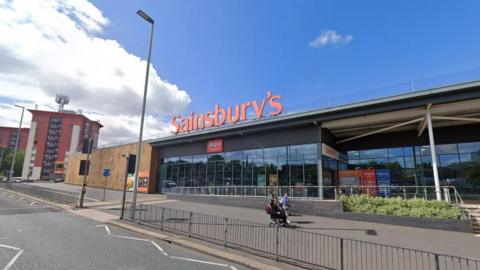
<point>352,119</point>
<point>353,126</point>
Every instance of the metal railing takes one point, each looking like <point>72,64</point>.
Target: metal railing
<point>296,246</point>
<point>449,193</point>
<point>66,197</point>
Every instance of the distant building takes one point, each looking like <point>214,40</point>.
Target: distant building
<point>52,137</point>
<point>8,136</point>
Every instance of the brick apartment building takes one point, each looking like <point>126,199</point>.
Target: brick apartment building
<point>8,136</point>
<point>52,137</point>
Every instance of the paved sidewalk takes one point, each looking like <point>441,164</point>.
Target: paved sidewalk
<point>446,242</point>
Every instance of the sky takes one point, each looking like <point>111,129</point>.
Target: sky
<point>312,53</point>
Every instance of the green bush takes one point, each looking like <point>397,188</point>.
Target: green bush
<point>399,207</point>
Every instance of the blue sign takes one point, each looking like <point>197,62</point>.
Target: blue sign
<point>106,172</point>
<point>383,182</point>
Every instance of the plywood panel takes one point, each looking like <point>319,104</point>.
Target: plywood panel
<point>110,158</point>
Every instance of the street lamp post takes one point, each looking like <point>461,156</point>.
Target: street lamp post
<point>139,150</point>
<point>12,166</point>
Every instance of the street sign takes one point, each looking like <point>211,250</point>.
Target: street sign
<point>106,172</point>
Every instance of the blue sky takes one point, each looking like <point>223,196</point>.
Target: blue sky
<point>231,51</point>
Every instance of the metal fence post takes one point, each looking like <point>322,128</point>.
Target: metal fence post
<point>425,192</point>
<point>341,254</point>
<point>404,193</point>
<point>437,263</point>
<point>225,233</point>
<point>162,220</point>
<point>190,224</point>
<point>277,229</point>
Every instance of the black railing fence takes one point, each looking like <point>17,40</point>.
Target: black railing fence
<point>66,197</point>
<point>296,246</point>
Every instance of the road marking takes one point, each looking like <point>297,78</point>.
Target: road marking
<point>10,209</point>
<point>160,248</point>
<point>15,258</point>
<point>163,251</point>
<point>198,261</point>
<point>32,203</point>
<point>131,238</point>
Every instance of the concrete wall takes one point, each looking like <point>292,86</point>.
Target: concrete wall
<point>112,159</point>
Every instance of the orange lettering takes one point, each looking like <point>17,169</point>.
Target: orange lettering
<point>237,114</point>
<point>275,104</point>
<point>245,106</point>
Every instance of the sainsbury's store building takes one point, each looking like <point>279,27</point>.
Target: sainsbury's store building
<point>388,141</point>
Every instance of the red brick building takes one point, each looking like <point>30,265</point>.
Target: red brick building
<point>8,136</point>
<point>53,136</point>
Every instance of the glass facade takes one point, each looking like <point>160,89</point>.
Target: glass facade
<point>412,165</point>
<point>294,165</point>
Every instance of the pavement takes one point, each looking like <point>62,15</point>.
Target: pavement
<point>96,194</point>
<point>38,234</point>
<point>439,241</point>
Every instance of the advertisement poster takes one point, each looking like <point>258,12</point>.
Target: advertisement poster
<point>143,181</point>
<point>350,177</point>
<point>383,182</point>
<point>369,182</point>
<point>130,181</point>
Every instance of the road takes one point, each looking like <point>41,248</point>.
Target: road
<point>37,236</point>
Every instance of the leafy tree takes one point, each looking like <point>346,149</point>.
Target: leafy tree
<point>7,161</point>
<point>474,175</point>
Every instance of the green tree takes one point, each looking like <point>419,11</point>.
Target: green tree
<point>473,175</point>
<point>7,161</point>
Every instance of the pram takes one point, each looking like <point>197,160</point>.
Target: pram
<point>277,215</point>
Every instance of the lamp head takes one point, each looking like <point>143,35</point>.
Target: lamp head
<point>145,16</point>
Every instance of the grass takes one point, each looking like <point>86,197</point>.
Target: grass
<point>399,207</point>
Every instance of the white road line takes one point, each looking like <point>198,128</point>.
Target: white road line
<point>32,203</point>
<point>108,230</point>
<point>160,248</point>
<point>15,258</point>
<point>131,238</point>
<point>233,268</point>
<point>199,261</point>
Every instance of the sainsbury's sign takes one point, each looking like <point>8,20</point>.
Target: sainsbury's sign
<point>270,106</point>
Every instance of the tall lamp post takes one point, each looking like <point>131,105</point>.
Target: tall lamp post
<point>12,166</point>
<point>139,150</point>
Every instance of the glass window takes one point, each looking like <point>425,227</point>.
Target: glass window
<point>296,152</point>
<point>253,153</point>
<point>373,153</point>
<point>446,149</point>
<point>211,173</point>
<point>447,160</point>
<point>469,147</point>
<point>425,150</point>
<point>280,152</point>
<point>353,155</point>
<point>395,152</point>
<point>272,171</point>
<point>283,172</point>
<point>259,177</point>
<point>219,176</point>
<point>237,155</point>
<point>398,160</point>
<point>408,151</point>
<point>215,157</point>
<point>296,172</point>
<point>237,172</point>
<point>409,163</point>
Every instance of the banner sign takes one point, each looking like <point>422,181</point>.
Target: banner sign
<point>215,146</point>
<point>218,117</point>
<point>383,182</point>
<point>369,182</point>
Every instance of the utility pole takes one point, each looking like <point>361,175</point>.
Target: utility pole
<point>12,166</point>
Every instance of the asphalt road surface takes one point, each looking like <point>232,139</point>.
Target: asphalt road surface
<point>36,236</point>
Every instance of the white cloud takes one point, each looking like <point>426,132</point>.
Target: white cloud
<point>330,37</point>
<point>52,46</point>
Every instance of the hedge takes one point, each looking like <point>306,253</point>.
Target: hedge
<point>399,207</point>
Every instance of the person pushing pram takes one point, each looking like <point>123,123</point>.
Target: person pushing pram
<point>276,212</point>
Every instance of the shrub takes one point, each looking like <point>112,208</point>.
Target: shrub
<point>399,207</point>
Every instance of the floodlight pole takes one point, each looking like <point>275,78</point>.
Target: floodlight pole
<point>12,166</point>
<point>139,150</point>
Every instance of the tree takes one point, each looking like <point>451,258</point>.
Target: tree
<point>7,161</point>
<point>473,175</point>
